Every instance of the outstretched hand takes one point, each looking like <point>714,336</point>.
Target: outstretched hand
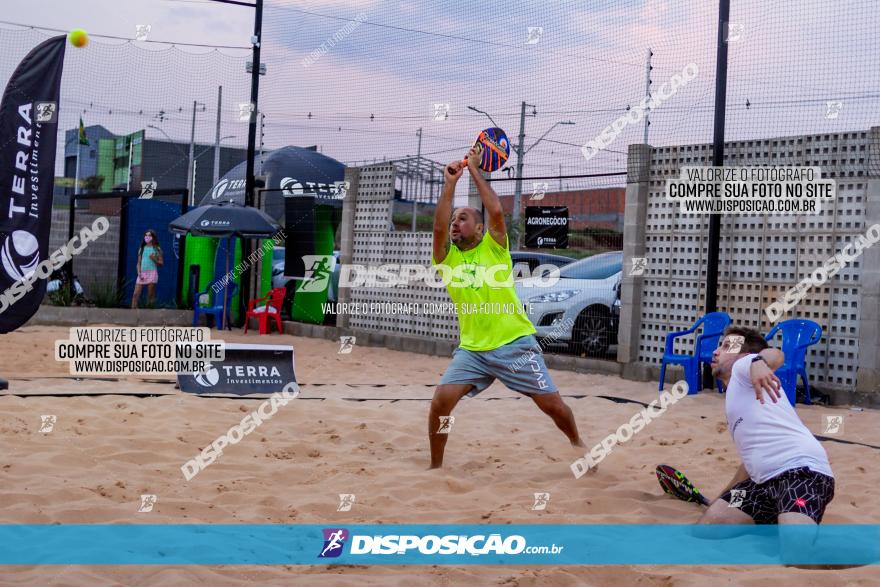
<point>763,380</point>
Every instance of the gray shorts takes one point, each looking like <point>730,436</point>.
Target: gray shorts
<point>518,364</point>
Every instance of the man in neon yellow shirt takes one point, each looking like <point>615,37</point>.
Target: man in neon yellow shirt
<point>497,339</point>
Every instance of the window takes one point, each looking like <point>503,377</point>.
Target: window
<point>600,266</point>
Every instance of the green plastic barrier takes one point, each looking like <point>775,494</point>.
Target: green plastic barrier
<point>236,259</point>
<point>266,280</point>
<point>200,250</point>
<point>307,305</point>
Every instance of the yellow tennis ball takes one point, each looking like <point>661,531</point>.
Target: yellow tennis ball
<point>78,38</point>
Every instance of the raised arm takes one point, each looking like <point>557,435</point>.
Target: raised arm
<point>491,203</point>
<point>443,211</point>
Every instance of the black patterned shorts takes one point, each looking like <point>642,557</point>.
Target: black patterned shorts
<point>801,491</point>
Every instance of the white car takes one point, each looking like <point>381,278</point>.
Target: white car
<point>582,308</point>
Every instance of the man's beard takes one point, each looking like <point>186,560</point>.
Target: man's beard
<point>461,240</point>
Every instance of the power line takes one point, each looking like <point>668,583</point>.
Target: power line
<point>530,48</point>
<point>172,43</point>
<point>558,176</point>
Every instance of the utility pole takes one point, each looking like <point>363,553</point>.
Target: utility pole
<point>262,127</point>
<point>217,135</point>
<point>517,190</point>
<point>195,168</point>
<point>130,151</point>
<point>717,161</point>
<point>192,146</point>
<point>418,171</point>
<point>76,181</point>
<point>256,41</point>
<point>648,69</point>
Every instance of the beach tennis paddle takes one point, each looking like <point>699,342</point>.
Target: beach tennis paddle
<point>677,485</point>
<point>495,149</point>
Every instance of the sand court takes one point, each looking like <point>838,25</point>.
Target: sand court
<point>358,428</point>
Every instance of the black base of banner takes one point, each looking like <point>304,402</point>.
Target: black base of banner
<point>4,384</point>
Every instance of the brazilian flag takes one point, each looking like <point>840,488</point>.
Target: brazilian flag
<point>83,139</point>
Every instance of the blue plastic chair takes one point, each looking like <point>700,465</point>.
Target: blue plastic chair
<point>214,306</point>
<point>713,325</point>
<point>797,336</point>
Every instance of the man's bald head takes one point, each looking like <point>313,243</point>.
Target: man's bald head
<point>475,214</point>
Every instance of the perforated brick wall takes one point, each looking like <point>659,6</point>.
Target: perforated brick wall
<point>760,256</point>
<point>375,244</point>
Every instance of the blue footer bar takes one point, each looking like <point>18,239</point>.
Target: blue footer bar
<point>427,544</point>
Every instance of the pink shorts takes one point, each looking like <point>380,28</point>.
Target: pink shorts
<point>147,277</point>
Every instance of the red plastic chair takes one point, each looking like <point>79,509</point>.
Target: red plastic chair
<point>265,307</point>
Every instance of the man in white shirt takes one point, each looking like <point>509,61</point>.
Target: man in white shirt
<point>785,477</point>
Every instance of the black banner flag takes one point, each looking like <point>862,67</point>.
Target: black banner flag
<point>28,131</point>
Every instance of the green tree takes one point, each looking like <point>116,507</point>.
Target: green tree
<point>92,184</point>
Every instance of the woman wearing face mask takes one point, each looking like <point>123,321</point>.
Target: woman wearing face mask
<point>149,259</point>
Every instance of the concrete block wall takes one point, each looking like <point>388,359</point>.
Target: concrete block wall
<point>367,241</point>
<point>761,256</point>
<point>97,263</point>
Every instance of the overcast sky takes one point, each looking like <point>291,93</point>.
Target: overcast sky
<point>395,59</point>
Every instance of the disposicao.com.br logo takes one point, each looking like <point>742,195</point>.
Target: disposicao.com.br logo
<point>430,544</point>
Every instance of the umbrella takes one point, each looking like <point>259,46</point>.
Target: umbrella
<point>226,219</point>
